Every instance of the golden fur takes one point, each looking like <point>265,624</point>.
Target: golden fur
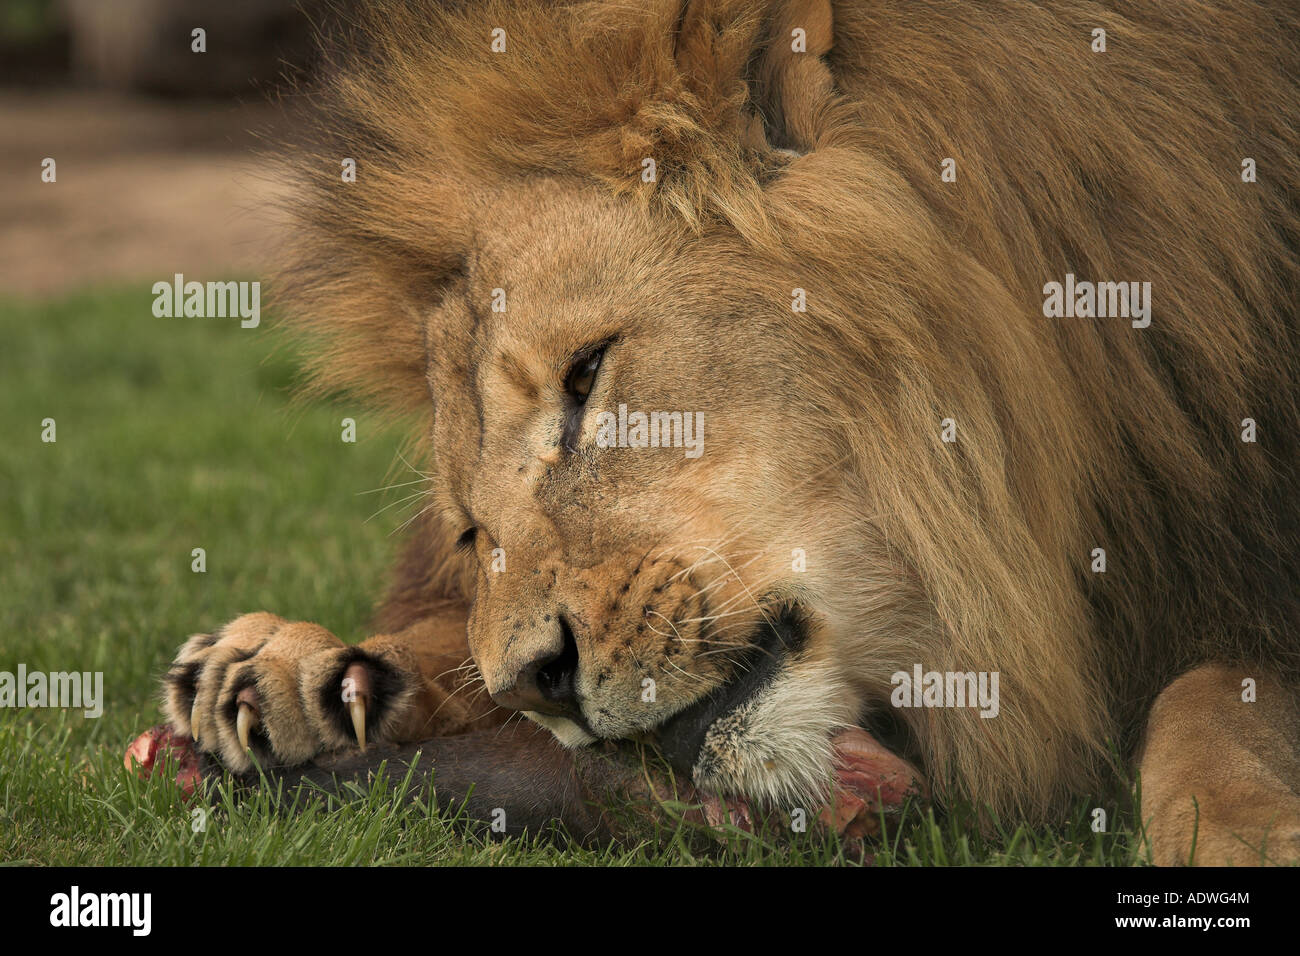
<point>775,170</point>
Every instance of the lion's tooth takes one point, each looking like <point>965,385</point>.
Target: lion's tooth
<point>194,721</point>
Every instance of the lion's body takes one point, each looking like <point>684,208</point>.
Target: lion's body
<point>778,170</point>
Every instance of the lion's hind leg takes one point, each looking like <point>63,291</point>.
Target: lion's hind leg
<point>1220,770</point>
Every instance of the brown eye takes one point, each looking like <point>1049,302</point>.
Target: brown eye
<point>582,376</point>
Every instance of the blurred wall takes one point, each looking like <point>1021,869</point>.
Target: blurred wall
<point>146,45</point>
<point>160,151</point>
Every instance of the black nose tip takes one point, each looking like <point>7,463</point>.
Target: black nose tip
<point>547,683</point>
<point>555,677</point>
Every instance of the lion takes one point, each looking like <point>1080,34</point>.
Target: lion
<point>813,244</point>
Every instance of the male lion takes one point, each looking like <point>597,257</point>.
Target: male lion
<point>825,235</point>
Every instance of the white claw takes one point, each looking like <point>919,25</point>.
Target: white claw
<point>194,721</point>
<point>357,708</point>
<point>245,721</point>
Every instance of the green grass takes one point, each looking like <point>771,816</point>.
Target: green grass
<point>176,434</point>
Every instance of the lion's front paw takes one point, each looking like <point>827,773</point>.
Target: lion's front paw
<point>279,691</point>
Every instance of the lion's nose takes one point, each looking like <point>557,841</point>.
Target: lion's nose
<point>546,683</point>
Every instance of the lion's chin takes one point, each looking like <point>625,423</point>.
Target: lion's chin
<point>766,734</point>
<point>776,746</point>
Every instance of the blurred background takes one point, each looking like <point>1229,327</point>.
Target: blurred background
<point>128,441</point>
<point>154,143</point>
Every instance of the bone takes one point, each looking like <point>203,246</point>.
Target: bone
<point>148,755</point>
<point>598,795</point>
<point>869,780</point>
<point>521,770</point>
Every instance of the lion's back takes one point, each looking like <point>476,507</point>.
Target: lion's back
<point>1130,164</point>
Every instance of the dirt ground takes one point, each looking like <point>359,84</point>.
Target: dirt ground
<point>145,189</point>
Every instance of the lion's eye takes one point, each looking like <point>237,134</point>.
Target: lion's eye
<point>465,542</point>
<point>582,376</point>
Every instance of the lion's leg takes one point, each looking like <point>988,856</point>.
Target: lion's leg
<point>286,691</point>
<point>446,698</point>
<point>1220,776</point>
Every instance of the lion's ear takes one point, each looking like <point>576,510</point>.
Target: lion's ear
<point>765,60</point>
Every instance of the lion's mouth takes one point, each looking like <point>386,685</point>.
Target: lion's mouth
<point>681,737</point>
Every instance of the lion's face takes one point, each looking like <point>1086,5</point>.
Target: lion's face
<point>677,590</point>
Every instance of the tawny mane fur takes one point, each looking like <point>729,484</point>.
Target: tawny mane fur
<point>1073,434</point>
